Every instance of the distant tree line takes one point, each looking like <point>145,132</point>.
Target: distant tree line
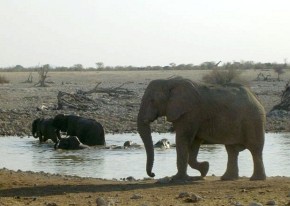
<point>243,65</point>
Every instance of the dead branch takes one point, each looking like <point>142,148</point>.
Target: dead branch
<point>29,78</point>
<point>115,91</point>
<point>74,101</point>
<point>81,101</point>
<point>42,73</point>
<point>285,100</point>
<point>262,77</point>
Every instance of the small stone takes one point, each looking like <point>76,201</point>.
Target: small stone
<point>237,204</point>
<point>271,202</point>
<point>255,204</point>
<point>183,194</point>
<point>51,204</point>
<point>164,180</point>
<point>130,178</point>
<point>101,202</point>
<point>136,196</point>
<point>193,198</point>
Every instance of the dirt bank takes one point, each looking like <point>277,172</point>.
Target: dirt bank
<point>27,188</point>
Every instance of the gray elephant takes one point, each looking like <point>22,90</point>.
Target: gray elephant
<point>131,144</point>
<point>70,143</point>
<point>44,129</point>
<point>229,115</point>
<point>162,144</point>
<point>89,131</point>
<point>127,145</point>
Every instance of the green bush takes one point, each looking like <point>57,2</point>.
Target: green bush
<point>3,79</point>
<point>222,77</point>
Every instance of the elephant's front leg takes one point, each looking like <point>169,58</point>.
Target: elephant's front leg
<point>40,137</point>
<point>57,132</point>
<point>182,150</point>
<point>232,171</point>
<point>202,167</point>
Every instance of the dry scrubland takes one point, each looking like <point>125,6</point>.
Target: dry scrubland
<point>19,101</point>
<point>18,108</point>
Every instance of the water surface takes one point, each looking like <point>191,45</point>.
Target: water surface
<point>28,155</point>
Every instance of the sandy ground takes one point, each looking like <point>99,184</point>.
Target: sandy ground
<point>26,188</point>
<point>18,108</point>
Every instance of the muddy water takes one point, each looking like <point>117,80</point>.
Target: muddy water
<point>28,155</point>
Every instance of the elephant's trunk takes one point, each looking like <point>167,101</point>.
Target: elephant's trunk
<point>34,129</point>
<point>145,133</point>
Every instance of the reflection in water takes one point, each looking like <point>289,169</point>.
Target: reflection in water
<point>28,155</point>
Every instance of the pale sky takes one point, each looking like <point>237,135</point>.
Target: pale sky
<point>142,32</point>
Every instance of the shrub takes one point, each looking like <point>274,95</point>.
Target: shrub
<point>222,76</point>
<point>3,79</point>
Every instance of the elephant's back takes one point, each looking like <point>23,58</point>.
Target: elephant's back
<point>233,98</point>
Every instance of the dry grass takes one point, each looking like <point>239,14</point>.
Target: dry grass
<point>222,76</point>
<point>3,79</point>
<point>90,77</point>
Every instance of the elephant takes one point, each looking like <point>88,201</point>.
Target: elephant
<point>70,143</point>
<point>89,131</point>
<point>131,144</point>
<point>222,114</point>
<point>163,144</point>
<point>127,145</point>
<point>44,129</point>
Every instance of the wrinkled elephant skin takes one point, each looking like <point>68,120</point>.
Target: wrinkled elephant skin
<point>89,131</point>
<point>228,114</point>
<point>44,129</point>
<point>70,143</point>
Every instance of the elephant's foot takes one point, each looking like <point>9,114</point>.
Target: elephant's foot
<point>258,177</point>
<point>229,176</point>
<point>184,178</point>
<point>203,168</point>
<point>180,177</point>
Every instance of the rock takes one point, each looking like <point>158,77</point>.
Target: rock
<point>101,202</point>
<point>194,198</point>
<point>237,204</point>
<point>51,204</point>
<point>277,113</point>
<point>271,202</point>
<point>255,204</point>
<point>183,194</point>
<point>164,180</point>
<point>136,196</point>
<point>130,178</point>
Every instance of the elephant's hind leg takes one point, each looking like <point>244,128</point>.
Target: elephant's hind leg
<point>232,171</point>
<point>259,170</point>
<point>202,167</point>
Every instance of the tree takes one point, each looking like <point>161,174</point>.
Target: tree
<point>18,67</point>
<point>100,65</point>
<point>42,74</point>
<point>78,67</point>
<point>172,64</point>
<point>208,65</point>
<point>279,70</point>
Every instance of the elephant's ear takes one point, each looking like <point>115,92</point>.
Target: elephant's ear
<point>182,99</point>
